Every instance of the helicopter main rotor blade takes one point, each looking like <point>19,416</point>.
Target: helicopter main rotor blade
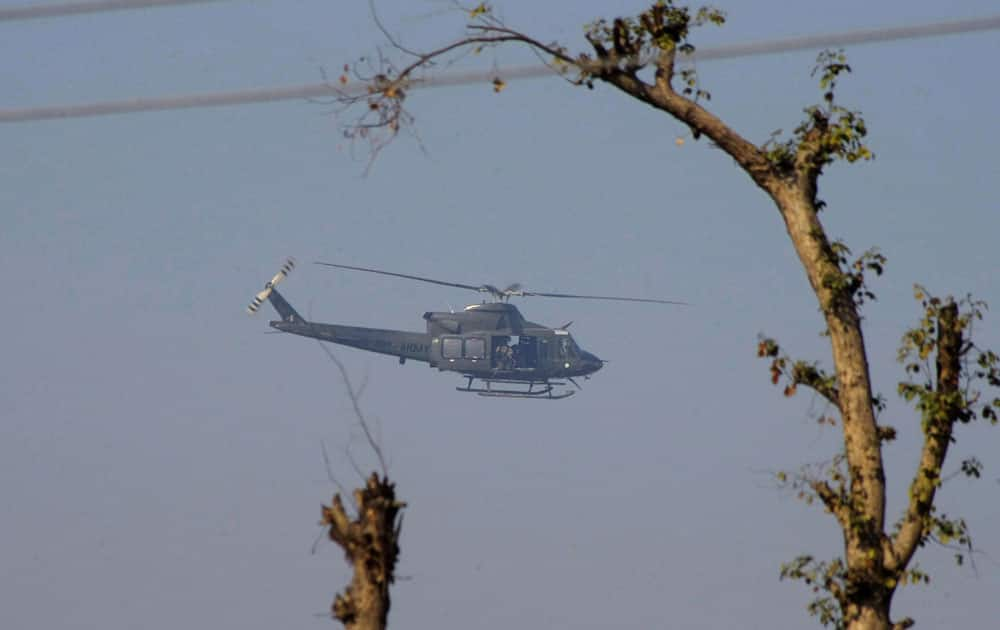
<point>403,275</point>
<point>513,290</point>
<point>603,297</point>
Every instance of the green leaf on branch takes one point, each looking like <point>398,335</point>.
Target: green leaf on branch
<point>829,132</point>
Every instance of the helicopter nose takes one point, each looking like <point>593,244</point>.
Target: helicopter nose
<point>591,362</point>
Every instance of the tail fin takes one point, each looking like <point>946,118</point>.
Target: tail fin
<point>280,304</point>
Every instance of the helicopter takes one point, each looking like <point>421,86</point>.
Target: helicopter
<point>490,344</point>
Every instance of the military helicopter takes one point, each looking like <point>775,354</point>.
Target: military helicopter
<point>497,351</point>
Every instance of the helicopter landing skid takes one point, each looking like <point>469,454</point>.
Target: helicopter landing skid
<point>546,389</point>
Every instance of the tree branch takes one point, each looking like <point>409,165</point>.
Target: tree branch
<point>661,95</point>
<point>355,397</point>
<point>811,155</point>
<point>938,423</point>
<point>833,501</point>
<point>615,67</point>
<point>813,378</point>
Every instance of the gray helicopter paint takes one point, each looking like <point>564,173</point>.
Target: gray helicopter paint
<point>497,317</point>
<point>490,324</point>
<point>406,345</point>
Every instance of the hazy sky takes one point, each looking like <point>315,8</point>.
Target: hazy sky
<point>161,462</point>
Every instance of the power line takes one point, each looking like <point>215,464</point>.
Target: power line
<point>186,101</point>
<point>733,51</point>
<point>864,36</point>
<point>319,90</point>
<point>34,12</point>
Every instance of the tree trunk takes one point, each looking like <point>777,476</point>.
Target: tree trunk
<point>371,545</point>
<point>871,616</point>
<point>861,443</point>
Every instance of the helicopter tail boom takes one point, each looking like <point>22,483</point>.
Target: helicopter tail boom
<point>398,343</point>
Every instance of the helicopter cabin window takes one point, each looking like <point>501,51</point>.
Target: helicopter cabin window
<point>475,348</point>
<point>451,347</point>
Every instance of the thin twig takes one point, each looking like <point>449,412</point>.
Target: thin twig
<point>358,412</point>
<point>329,470</point>
<point>385,31</point>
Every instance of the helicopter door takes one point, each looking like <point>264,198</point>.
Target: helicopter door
<point>545,351</point>
<point>514,353</point>
<point>502,354</point>
<point>525,352</point>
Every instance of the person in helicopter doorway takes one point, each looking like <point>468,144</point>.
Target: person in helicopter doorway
<point>503,356</point>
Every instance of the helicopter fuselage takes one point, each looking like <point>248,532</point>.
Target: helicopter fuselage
<point>489,341</point>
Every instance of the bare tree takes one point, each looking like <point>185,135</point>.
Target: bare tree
<point>368,532</point>
<point>644,57</point>
<point>370,540</point>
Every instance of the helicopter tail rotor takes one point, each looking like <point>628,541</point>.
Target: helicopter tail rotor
<point>269,287</point>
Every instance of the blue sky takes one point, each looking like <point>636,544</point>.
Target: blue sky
<point>161,457</point>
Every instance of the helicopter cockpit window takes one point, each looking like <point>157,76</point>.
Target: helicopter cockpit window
<point>475,348</point>
<point>568,348</point>
<point>451,347</point>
